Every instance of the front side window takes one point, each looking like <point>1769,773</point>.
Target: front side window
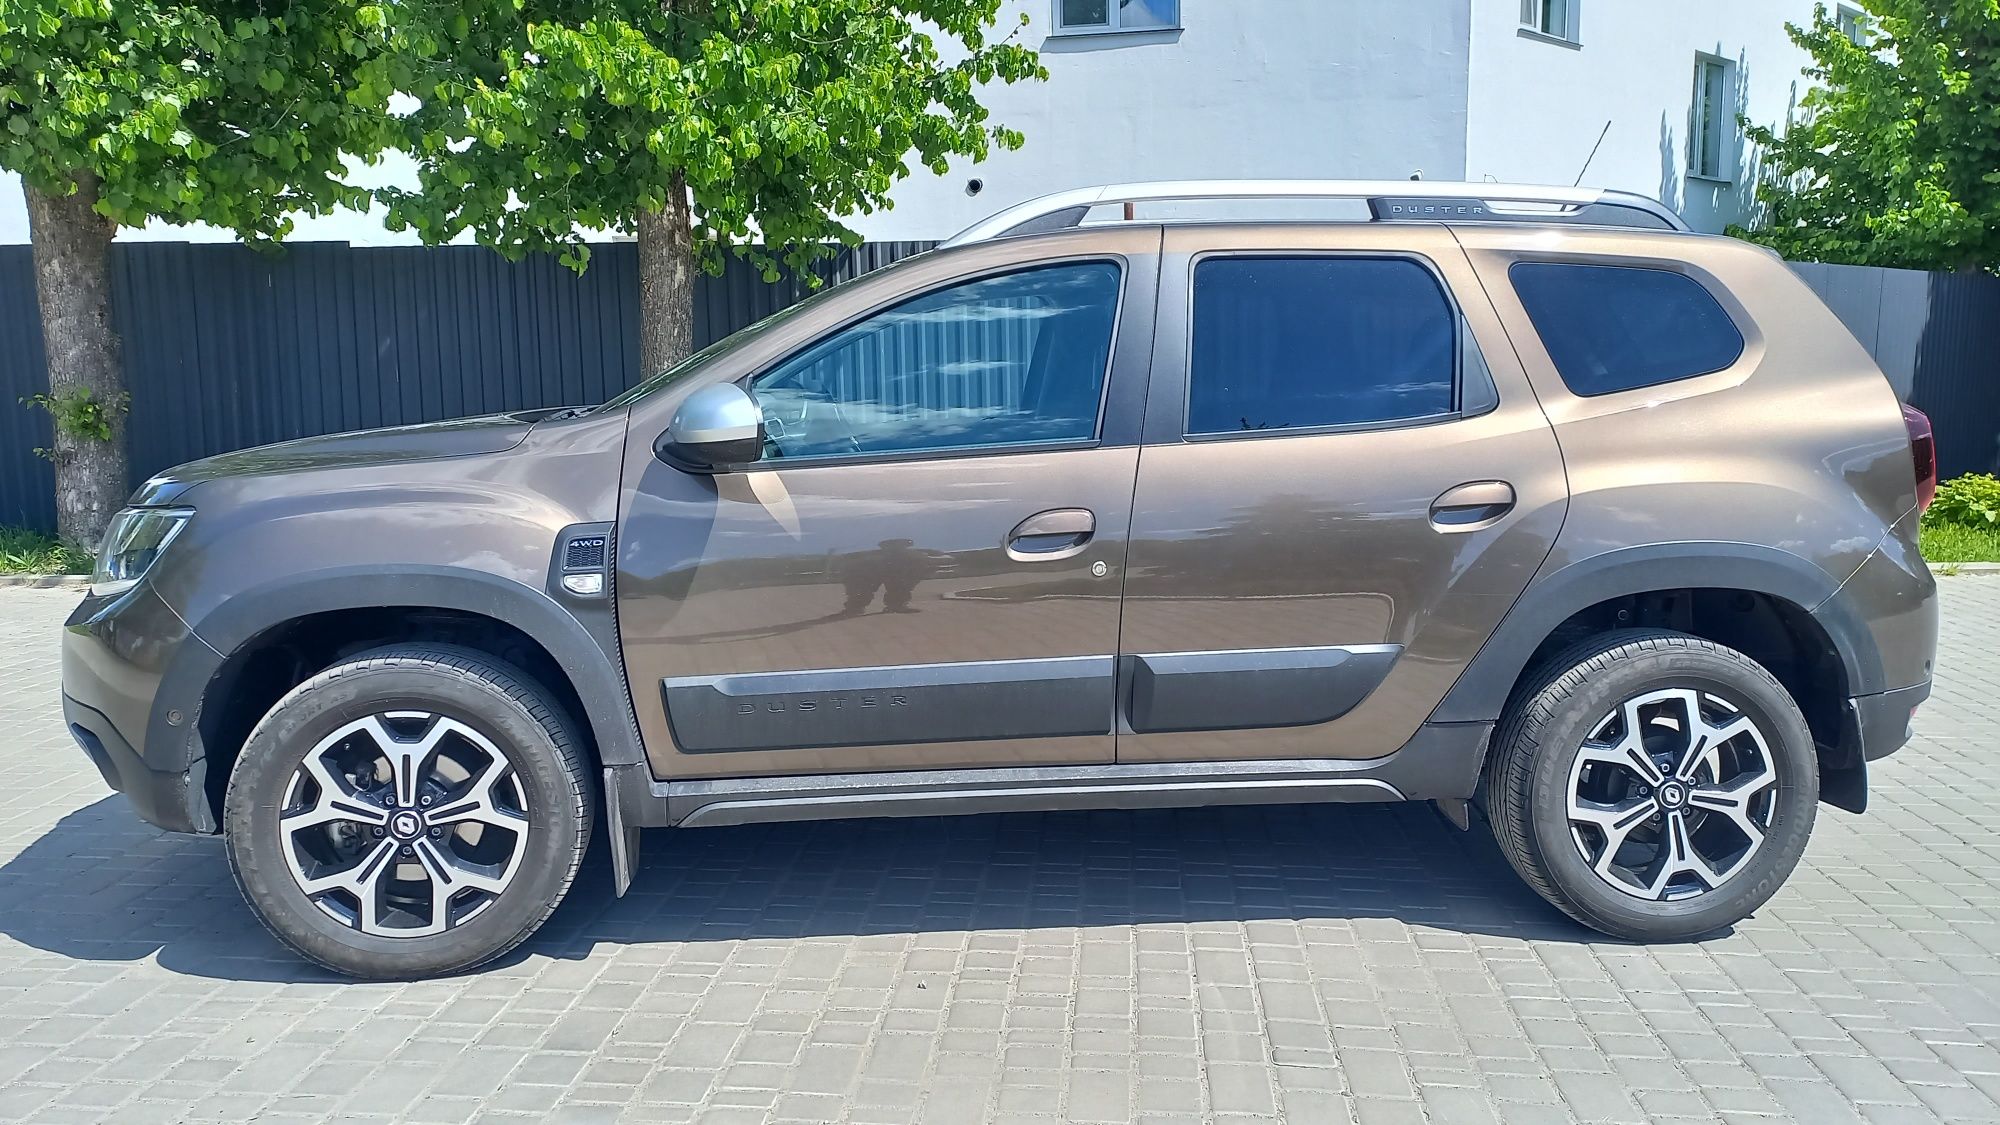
<point>1290,343</point>
<point>1710,121</point>
<point>1617,328</point>
<point>1087,16</point>
<point>1011,360</point>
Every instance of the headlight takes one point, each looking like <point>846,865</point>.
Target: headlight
<point>133,543</point>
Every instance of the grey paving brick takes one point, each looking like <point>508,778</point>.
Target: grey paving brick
<point>1311,964</point>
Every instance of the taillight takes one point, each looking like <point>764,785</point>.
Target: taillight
<point>1923,448</point>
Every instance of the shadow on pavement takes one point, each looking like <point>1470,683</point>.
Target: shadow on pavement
<point>103,886</point>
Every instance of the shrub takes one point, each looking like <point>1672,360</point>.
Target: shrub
<point>1972,500</point>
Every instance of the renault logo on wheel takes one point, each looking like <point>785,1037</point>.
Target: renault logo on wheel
<point>406,825</point>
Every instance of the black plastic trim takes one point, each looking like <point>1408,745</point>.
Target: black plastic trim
<point>1481,692</point>
<point>891,705</point>
<point>1251,688</point>
<point>1441,762</point>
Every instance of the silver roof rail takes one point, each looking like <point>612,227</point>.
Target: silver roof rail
<point>1388,201</point>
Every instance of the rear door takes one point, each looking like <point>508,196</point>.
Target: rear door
<point>1345,483</point>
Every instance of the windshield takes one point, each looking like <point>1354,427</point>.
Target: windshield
<point>723,347</point>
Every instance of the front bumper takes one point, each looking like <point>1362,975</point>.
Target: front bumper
<point>133,675</point>
<point>1880,724</point>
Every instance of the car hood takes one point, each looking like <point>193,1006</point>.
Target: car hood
<point>430,441</point>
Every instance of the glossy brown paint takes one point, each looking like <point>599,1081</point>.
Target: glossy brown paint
<point>879,561</point>
<point>1798,446</point>
<point>1287,539</point>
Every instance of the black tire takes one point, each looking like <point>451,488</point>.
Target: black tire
<point>504,706</point>
<point>1528,776</point>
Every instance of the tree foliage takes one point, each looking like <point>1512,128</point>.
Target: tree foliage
<point>543,119</point>
<point>1895,157</point>
<point>234,114</point>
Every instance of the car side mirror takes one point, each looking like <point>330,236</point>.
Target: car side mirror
<point>715,426</point>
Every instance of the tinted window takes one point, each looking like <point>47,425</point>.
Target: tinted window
<point>1614,328</point>
<point>999,361</point>
<point>1282,343</point>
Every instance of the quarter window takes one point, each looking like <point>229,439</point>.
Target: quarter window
<point>1616,328</point>
<point>1290,343</point>
<point>1083,17</point>
<point>1010,360</point>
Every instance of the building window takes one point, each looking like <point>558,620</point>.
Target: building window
<point>1554,18</point>
<point>1710,122</point>
<point>1853,23</point>
<point>1089,17</point>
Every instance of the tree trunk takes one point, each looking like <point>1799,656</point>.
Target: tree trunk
<point>666,283</point>
<point>72,249</point>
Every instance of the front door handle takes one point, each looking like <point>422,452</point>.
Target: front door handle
<point>1472,506</point>
<point>1059,533</point>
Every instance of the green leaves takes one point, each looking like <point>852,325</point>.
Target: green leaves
<point>1895,159</point>
<point>543,119</point>
<point>188,115</point>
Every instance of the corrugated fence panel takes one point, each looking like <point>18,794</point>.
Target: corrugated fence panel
<point>27,482</point>
<point>227,348</point>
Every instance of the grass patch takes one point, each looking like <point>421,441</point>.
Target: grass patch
<point>1960,543</point>
<point>31,552</point>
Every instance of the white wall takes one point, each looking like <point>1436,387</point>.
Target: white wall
<point>1247,88</point>
<point>1537,107</point>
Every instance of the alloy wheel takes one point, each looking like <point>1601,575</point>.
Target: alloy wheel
<point>404,824</point>
<point>1672,794</point>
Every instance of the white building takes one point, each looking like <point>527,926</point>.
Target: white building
<point>1514,90</point>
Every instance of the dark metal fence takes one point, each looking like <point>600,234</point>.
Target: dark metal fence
<point>227,348</point>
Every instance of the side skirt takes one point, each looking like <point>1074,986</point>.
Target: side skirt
<point>1441,763</point>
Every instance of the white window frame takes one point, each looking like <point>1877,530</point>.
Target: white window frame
<point>1700,122</point>
<point>1852,20</point>
<point>1536,19</point>
<point>1110,26</point>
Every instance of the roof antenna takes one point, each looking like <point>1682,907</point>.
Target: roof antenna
<point>1417,175</point>
<point>1593,153</point>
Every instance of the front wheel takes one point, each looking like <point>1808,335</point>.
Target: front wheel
<point>411,811</point>
<point>1653,785</point>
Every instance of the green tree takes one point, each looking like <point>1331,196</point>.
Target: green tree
<point>115,112</point>
<point>1895,157</point>
<point>701,126</point>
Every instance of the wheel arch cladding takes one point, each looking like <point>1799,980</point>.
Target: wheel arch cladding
<point>579,642</point>
<point>1483,690</point>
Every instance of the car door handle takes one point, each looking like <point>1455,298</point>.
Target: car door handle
<point>1048,536</point>
<point>1472,506</point>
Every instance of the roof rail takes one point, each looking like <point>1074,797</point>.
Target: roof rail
<point>1388,201</point>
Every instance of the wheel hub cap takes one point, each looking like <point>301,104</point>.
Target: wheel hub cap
<point>404,824</point>
<point>1672,794</point>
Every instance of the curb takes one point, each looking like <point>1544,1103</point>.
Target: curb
<point>44,581</point>
<point>1946,570</point>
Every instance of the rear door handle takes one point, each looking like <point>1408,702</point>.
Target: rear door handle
<point>1059,533</point>
<point>1472,506</point>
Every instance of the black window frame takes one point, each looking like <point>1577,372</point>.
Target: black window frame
<point>1119,262</point>
<point>1722,299</point>
<point>1462,336</point>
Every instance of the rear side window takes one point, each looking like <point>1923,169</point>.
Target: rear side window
<point>1615,328</point>
<point>1288,343</point>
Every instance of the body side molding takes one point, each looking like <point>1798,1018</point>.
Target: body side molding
<point>1239,689</point>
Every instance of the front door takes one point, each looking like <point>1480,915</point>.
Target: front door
<point>1346,482</point>
<point>924,570</point>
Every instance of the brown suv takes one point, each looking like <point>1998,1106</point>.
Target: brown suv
<point>1516,498</point>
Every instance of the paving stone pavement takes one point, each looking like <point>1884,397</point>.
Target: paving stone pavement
<point>1320,964</point>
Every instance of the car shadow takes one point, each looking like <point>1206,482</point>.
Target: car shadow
<point>101,886</point>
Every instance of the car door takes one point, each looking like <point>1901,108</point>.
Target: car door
<point>1346,481</point>
<point>923,570</point>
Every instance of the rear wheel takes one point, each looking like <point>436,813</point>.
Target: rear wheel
<point>411,811</point>
<point>1654,785</point>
